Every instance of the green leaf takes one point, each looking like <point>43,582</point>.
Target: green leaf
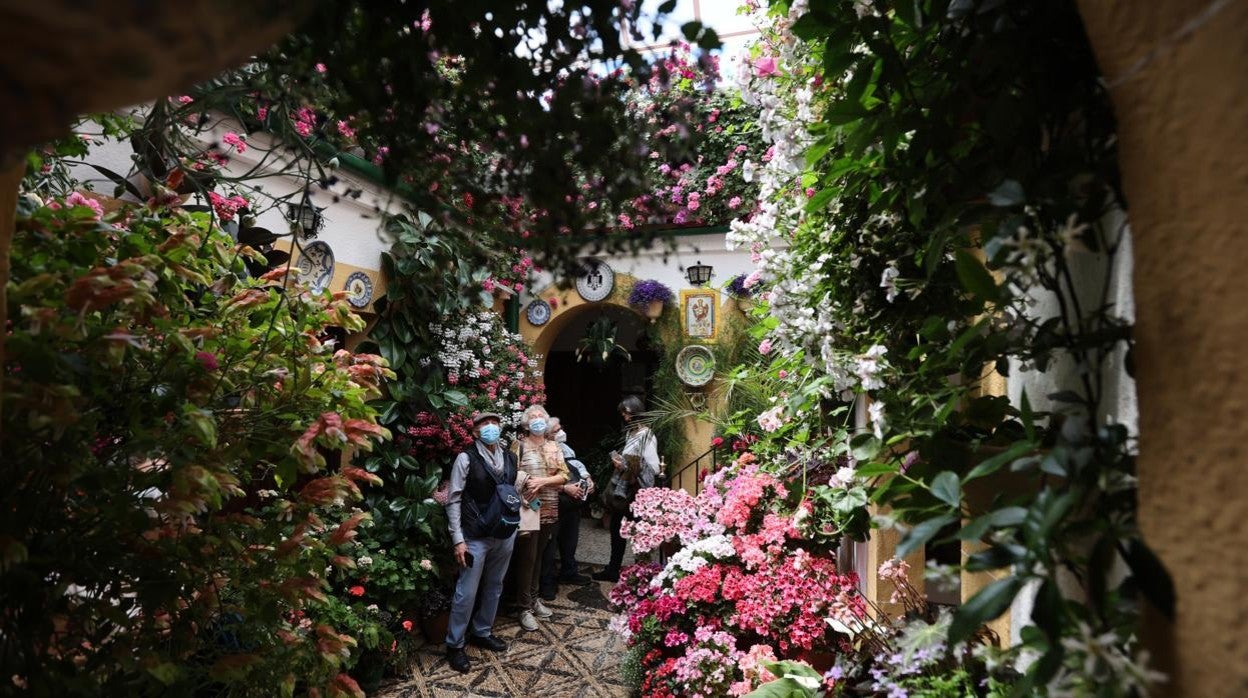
<point>974,277</point>
<point>1028,417</point>
<point>812,26</point>
<point>165,672</point>
<point>923,532</point>
<point>995,558</point>
<point>873,469</point>
<point>820,200</point>
<point>844,112</point>
<point>286,473</point>
<point>995,463</point>
<point>947,489</point>
<point>204,426</point>
<point>908,12</point>
<point>864,446</point>
<point>990,602</point>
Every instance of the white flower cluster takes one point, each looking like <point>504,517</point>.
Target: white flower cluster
<point>797,297</point>
<point>693,556</point>
<point>468,350</point>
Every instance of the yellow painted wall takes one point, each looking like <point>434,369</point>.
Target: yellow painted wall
<point>1178,76</point>
<point>568,304</point>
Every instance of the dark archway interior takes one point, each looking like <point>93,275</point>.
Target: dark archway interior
<point>585,396</point>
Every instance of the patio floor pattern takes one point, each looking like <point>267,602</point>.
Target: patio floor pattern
<point>573,653</point>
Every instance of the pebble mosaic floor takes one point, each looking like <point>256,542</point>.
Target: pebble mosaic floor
<point>573,653</point>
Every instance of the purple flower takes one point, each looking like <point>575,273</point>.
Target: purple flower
<point>738,289</point>
<point>648,291</point>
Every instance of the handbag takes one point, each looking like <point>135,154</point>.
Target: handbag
<point>530,518</point>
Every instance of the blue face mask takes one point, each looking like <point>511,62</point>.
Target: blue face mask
<point>537,426</point>
<point>490,434</point>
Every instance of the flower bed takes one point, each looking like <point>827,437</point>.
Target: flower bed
<point>747,587</point>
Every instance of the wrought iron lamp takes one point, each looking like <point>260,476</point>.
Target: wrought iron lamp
<point>699,273</point>
<point>306,216</point>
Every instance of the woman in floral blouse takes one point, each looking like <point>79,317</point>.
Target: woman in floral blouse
<point>544,463</point>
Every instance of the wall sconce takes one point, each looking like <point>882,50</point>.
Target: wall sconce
<point>699,273</point>
<point>306,217</point>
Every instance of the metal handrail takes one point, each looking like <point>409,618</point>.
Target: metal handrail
<point>678,476</point>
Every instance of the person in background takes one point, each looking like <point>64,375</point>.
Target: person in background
<point>482,557</point>
<point>572,497</point>
<point>637,466</point>
<point>543,461</point>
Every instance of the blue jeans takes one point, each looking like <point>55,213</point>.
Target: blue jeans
<point>490,557</point>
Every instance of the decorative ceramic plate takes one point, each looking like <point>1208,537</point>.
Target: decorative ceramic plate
<point>316,265</point>
<point>538,312</point>
<point>595,281</point>
<point>359,289</point>
<point>695,365</point>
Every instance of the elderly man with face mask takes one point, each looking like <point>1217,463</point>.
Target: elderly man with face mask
<point>482,554</point>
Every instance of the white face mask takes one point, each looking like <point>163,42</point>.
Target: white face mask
<point>562,436</point>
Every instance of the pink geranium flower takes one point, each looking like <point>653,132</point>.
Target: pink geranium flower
<point>765,66</point>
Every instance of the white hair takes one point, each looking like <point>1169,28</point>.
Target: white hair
<point>535,410</point>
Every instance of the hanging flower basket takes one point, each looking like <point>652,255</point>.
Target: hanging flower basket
<point>649,296</point>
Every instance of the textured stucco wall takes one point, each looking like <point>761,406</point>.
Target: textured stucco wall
<point>1178,71</point>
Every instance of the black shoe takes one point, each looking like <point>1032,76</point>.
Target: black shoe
<point>547,594</point>
<point>578,579</point>
<point>458,659</point>
<point>606,576</point>
<point>490,642</point>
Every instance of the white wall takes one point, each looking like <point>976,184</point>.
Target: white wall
<point>665,264</point>
<point>352,226</point>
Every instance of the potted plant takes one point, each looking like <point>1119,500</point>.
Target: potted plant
<point>435,614</point>
<point>738,290</point>
<point>649,296</point>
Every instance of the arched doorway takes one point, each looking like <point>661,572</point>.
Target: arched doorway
<point>584,395</point>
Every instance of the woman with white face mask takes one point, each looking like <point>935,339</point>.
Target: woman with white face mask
<point>543,461</point>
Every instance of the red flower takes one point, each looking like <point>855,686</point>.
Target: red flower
<point>356,590</point>
<point>717,441</point>
<point>407,625</point>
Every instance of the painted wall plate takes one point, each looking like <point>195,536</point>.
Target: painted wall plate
<point>359,289</point>
<point>596,280</point>
<point>695,365</point>
<point>537,312</point>
<point>316,265</point>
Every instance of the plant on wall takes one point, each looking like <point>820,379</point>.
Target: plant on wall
<point>648,291</point>
<point>940,168</point>
<point>598,346</point>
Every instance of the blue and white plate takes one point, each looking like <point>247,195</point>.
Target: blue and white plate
<point>538,312</point>
<point>359,289</point>
<point>316,265</point>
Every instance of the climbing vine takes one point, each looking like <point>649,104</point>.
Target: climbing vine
<point>945,177</point>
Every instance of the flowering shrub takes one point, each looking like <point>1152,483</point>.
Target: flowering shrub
<point>490,368</point>
<point>661,515</point>
<point>876,293</point>
<point>743,590</point>
<point>649,291</point>
<point>171,512</point>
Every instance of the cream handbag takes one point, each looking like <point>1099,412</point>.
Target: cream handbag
<point>530,518</point>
